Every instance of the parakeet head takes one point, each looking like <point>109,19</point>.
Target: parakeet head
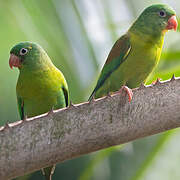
<point>27,55</point>
<point>156,19</point>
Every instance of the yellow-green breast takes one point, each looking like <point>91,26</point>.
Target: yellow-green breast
<point>41,90</point>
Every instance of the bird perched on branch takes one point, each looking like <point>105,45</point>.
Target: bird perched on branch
<point>41,87</point>
<point>135,54</point>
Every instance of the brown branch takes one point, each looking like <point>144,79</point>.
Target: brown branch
<point>29,145</point>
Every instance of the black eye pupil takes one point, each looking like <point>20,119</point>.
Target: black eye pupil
<point>23,51</point>
<point>162,13</point>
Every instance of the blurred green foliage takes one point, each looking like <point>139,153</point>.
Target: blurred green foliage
<point>78,34</point>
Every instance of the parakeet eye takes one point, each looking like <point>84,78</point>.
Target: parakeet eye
<point>23,51</point>
<point>162,13</point>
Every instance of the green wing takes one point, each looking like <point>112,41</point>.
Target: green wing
<point>117,56</point>
<point>21,107</point>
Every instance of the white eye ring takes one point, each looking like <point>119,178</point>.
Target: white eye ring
<point>162,13</point>
<point>23,51</point>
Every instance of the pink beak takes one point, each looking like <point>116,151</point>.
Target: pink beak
<point>172,23</point>
<point>14,61</point>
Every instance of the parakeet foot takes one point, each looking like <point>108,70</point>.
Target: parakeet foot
<point>128,91</point>
<point>48,172</point>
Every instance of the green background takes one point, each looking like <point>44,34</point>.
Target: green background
<point>78,35</point>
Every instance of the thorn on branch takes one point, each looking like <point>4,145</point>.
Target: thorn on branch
<point>142,86</point>
<point>108,95</point>
<point>173,78</point>
<point>6,126</point>
<point>71,105</point>
<point>157,82</point>
<point>51,112</point>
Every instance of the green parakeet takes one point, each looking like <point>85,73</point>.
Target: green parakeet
<point>41,86</point>
<point>135,54</point>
